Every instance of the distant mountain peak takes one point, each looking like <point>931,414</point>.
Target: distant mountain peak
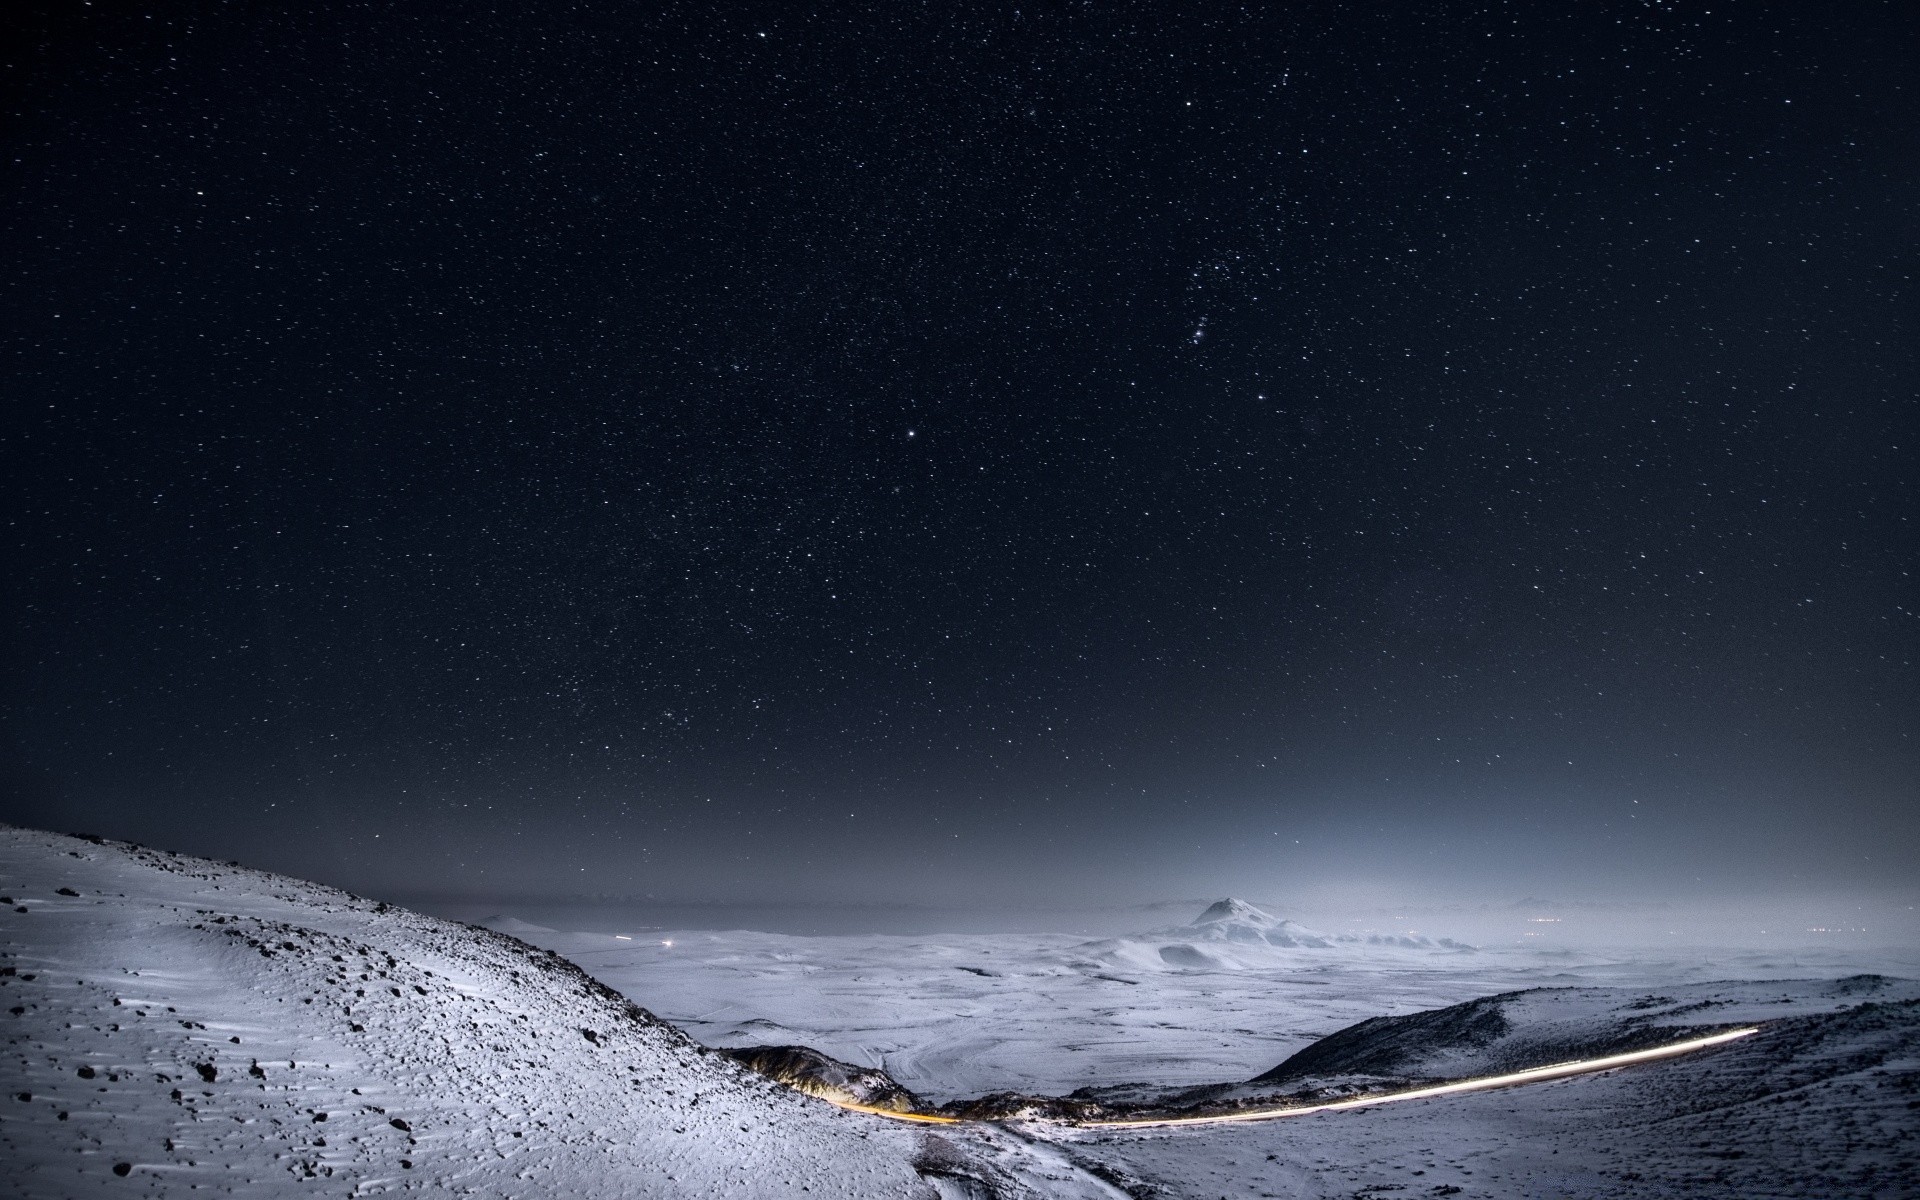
<point>1233,909</point>
<point>1234,920</point>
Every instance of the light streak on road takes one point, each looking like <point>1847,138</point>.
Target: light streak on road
<point>1514,1079</point>
<point>1533,1075</point>
<point>894,1114</point>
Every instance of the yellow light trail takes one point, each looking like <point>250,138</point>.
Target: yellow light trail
<point>893,1114</point>
<point>1531,1075</point>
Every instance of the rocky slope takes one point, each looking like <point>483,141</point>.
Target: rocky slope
<point>175,1025</point>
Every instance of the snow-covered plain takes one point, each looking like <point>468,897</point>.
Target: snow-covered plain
<point>955,1015</point>
<point>1825,1102</point>
<point>961,1014</point>
<point>175,1025</point>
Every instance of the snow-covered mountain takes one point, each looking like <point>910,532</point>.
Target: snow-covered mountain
<point>1233,920</point>
<point>174,1024</point>
<point>1232,934</point>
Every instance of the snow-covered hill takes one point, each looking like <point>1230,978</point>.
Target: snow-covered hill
<point>174,1024</point>
<point>1818,1105</point>
<point>1516,1031</point>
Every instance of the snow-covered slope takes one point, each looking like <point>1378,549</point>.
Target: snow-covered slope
<point>173,1024</point>
<point>1516,1031</point>
<point>1819,1105</point>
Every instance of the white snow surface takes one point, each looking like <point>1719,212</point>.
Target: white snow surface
<point>175,1025</point>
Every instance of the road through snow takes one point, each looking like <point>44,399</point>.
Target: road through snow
<point>1512,1079</point>
<point>1533,1075</point>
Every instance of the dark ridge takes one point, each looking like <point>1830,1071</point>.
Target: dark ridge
<point>1385,1045</point>
<point>806,1069</point>
<point>998,1106</point>
<point>1418,1046</point>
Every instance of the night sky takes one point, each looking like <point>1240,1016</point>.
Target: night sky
<point>966,453</point>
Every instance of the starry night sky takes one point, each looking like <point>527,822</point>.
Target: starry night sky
<point>970,451</point>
